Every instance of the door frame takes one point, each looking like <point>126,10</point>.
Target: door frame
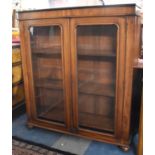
<point>28,71</point>
<point>120,73</point>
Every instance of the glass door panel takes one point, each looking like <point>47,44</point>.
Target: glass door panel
<point>96,54</point>
<point>46,48</point>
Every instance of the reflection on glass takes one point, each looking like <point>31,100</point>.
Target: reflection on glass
<point>47,72</point>
<point>96,52</point>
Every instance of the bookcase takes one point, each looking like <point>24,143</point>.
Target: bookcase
<point>78,69</point>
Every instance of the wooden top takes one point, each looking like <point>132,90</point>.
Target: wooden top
<point>89,11</point>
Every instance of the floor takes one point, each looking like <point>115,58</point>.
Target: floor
<point>72,144</point>
<point>23,148</point>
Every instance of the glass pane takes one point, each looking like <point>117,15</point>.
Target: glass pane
<point>47,72</point>
<point>96,49</point>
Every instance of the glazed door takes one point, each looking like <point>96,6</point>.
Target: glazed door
<point>97,74</point>
<point>48,57</point>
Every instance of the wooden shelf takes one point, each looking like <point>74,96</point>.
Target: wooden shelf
<point>98,58</point>
<point>92,88</point>
<point>49,84</point>
<point>86,120</point>
<point>54,113</point>
<point>95,70</point>
<point>48,50</point>
<point>97,52</point>
<point>50,67</point>
<point>47,72</point>
<point>96,122</point>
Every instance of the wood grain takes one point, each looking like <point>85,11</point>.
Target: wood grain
<point>78,69</point>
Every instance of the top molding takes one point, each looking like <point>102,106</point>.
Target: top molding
<point>89,11</point>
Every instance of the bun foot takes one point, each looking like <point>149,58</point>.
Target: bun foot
<point>30,126</point>
<point>125,148</point>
